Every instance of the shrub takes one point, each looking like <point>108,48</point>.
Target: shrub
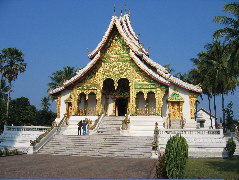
<point>176,155</point>
<point>160,167</point>
<point>230,147</point>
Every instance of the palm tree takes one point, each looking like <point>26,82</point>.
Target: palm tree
<point>230,33</point>
<point>45,103</point>
<point>13,65</point>
<point>213,72</point>
<point>3,90</point>
<point>60,76</point>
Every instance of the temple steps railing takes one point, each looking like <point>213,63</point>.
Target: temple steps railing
<point>191,132</point>
<point>47,136</point>
<point>100,121</point>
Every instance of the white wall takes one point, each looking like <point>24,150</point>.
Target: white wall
<point>64,95</point>
<point>111,106</point>
<point>207,123</point>
<point>152,100</point>
<point>81,101</point>
<point>141,101</point>
<point>91,103</point>
<point>165,107</point>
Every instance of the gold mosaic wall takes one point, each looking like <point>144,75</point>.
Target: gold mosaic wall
<point>115,63</point>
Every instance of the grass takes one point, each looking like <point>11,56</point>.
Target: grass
<point>212,168</point>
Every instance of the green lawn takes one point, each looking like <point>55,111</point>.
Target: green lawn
<point>212,168</point>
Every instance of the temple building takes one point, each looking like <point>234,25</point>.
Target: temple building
<point>122,80</point>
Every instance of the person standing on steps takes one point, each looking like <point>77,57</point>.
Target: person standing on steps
<point>79,127</point>
<point>84,124</point>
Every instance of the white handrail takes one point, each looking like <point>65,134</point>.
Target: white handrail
<point>26,128</point>
<point>98,124</point>
<point>191,132</point>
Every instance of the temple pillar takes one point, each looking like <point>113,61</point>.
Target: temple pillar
<point>58,106</point>
<point>114,106</point>
<point>159,101</point>
<point>193,98</point>
<point>98,102</point>
<point>132,98</point>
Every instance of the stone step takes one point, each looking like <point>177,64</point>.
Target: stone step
<point>106,143</point>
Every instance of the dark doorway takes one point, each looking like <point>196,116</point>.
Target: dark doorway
<point>122,104</point>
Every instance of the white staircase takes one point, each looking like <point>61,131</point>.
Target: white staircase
<point>201,142</point>
<point>144,125</point>
<point>72,128</point>
<point>107,142</point>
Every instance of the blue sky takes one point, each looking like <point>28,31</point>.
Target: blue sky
<point>56,33</point>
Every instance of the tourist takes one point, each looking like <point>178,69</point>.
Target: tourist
<point>79,127</point>
<point>84,124</point>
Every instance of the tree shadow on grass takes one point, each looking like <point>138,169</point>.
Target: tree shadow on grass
<point>226,165</point>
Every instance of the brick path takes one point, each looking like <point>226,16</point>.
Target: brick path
<point>49,166</point>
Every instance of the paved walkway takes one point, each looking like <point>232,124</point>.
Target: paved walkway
<point>49,166</point>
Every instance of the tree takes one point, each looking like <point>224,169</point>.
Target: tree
<point>45,103</point>
<point>3,89</point>
<point>213,72</point>
<point>60,76</point>
<point>21,112</point>
<point>13,64</point>
<point>45,118</point>
<point>230,33</point>
<point>230,122</point>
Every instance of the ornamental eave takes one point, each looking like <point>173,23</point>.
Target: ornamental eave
<point>148,71</point>
<point>128,37</point>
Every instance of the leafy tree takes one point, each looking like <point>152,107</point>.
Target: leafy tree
<point>230,33</point>
<point>213,73</point>
<point>3,89</point>
<point>45,103</point>
<point>60,76</point>
<point>13,64</point>
<point>45,118</point>
<point>21,112</point>
<point>230,122</point>
<point>2,112</point>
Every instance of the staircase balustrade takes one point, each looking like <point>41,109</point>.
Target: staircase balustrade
<point>97,124</point>
<point>125,123</point>
<point>62,122</point>
<point>191,132</point>
<point>155,141</point>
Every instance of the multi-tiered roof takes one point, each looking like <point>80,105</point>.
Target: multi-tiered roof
<point>138,54</point>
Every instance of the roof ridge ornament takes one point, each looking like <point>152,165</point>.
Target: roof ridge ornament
<point>114,10</point>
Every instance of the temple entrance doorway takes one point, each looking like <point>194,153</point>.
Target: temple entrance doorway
<point>69,110</point>
<point>122,95</point>
<point>121,105</point>
<point>115,99</point>
<point>108,97</point>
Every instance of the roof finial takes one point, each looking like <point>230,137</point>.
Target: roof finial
<point>125,11</point>
<point>129,13</point>
<point>121,13</point>
<point>114,11</point>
